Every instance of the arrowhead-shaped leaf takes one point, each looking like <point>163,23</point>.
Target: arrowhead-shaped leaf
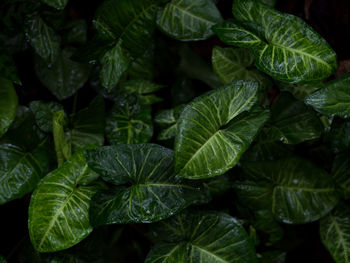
<point>196,237</point>
<point>189,19</point>
<point>59,207</point>
<point>8,104</point>
<point>212,133</point>
<point>154,193</point>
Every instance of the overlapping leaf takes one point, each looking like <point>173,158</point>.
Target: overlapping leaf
<point>212,133</point>
<point>201,237</point>
<point>58,211</point>
<point>43,112</point>
<point>294,189</point>
<point>333,99</point>
<point>341,173</point>
<point>144,88</point>
<point>8,104</point>
<point>284,46</point>
<point>189,19</point>
<point>147,189</point>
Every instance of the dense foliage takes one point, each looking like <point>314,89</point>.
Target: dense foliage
<point>124,144</point>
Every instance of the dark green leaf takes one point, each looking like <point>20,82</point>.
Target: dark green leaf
<point>154,192</point>
<point>335,233</point>
<point>292,121</point>
<point>58,4</point>
<point>273,256</point>
<point>333,99</point>
<point>299,91</point>
<point>64,77</point>
<point>189,19</point>
<point>144,88</point>
<point>294,189</point>
<point>42,38</point>
<point>143,66</point>
<point>8,69</point>
<point>339,135</point>
<point>264,221</point>
<point>43,112</point>
<point>2,260</point>
<point>341,173</point>
<point>75,32</point>
<point>284,46</point>
<point>8,104</point>
<point>58,210</point>
<point>129,122</point>
<point>201,237</point>
<point>212,133</point>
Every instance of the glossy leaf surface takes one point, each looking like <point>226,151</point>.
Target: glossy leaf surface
<point>58,211</point>
<point>335,233</point>
<point>284,46</point>
<point>8,104</point>
<point>189,19</point>
<point>43,112</point>
<point>294,189</point>
<point>201,237</point>
<point>154,193</point>
<point>212,135</point>
<point>129,121</point>
<point>333,99</point>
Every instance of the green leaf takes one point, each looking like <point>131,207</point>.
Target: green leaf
<point>264,221</point>
<point>299,91</point>
<point>333,99</point>
<point>143,66</point>
<point>8,69</point>
<point>75,32</point>
<point>294,189</point>
<point>64,77</point>
<point>189,19</point>
<point>58,210</point>
<point>335,233</point>
<point>211,125</point>
<point>42,38</point>
<point>2,259</point>
<point>341,174</point>
<point>8,104</point>
<point>339,135</point>
<point>284,46</point>
<point>232,64</point>
<point>273,256</point>
<point>292,121</point>
<point>131,21</point>
<point>58,4</point>
<point>63,147</point>
<point>43,112</point>
<point>21,169</point>
<point>128,121</point>
<point>115,62</point>
<point>154,193</point>
<point>194,236</point>
<point>144,88</point>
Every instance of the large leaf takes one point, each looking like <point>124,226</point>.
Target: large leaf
<point>42,38</point>
<point>43,112</point>
<point>212,133</point>
<point>335,233</point>
<point>58,210</point>
<point>341,173</point>
<point>115,62</point>
<point>292,121</point>
<point>333,99</point>
<point>294,189</point>
<point>232,64</point>
<point>131,21</point>
<point>58,4</point>
<point>154,193</point>
<point>8,104</point>
<point>284,46</point>
<point>201,237</point>
<point>129,121</point>
<point>64,77</point>
<point>189,19</point>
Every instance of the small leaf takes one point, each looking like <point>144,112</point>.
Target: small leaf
<point>63,147</point>
<point>64,77</point>
<point>335,233</point>
<point>8,104</point>
<point>43,112</point>
<point>42,38</point>
<point>189,19</point>
<point>58,4</point>
<point>115,62</point>
<point>212,125</point>
<point>194,236</point>
<point>129,122</point>
<point>58,210</point>
<point>294,189</point>
<point>144,88</point>
<point>333,99</point>
<point>154,192</point>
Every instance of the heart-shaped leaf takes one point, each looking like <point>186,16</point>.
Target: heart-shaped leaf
<point>58,210</point>
<point>189,19</point>
<point>294,189</point>
<point>212,133</point>
<point>284,46</point>
<point>194,236</point>
<point>8,104</point>
<point>147,189</point>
